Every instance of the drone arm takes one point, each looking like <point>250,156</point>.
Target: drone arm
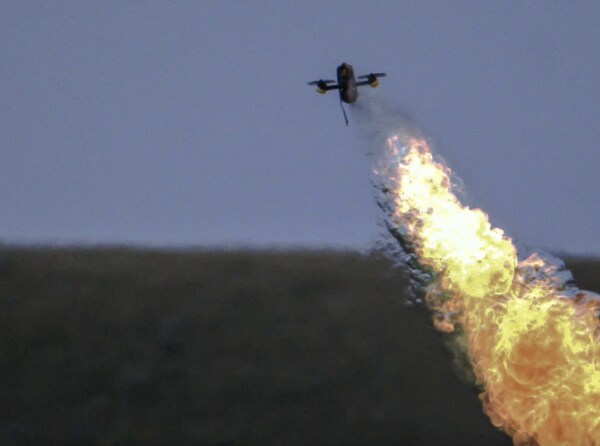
<point>370,79</point>
<point>332,87</point>
<point>325,88</point>
<point>361,83</point>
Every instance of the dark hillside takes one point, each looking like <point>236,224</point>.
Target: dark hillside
<point>117,346</point>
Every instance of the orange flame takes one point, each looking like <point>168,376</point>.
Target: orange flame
<point>534,350</point>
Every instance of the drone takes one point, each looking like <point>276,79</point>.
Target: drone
<point>347,85</point>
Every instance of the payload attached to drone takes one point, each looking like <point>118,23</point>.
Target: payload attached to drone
<point>347,84</point>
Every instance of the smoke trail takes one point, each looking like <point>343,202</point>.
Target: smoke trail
<point>530,335</point>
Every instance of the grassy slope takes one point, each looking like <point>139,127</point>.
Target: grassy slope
<point>145,347</point>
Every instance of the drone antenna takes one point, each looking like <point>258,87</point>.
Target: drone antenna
<point>344,112</point>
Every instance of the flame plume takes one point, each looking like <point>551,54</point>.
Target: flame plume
<point>533,341</point>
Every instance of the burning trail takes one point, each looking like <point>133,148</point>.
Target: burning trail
<point>531,337</point>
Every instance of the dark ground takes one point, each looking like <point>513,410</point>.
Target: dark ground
<point>117,347</point>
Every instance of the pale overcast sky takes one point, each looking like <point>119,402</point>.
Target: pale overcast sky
<point>190,123</point>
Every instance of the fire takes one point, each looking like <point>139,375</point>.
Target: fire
<point>534,348</point>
